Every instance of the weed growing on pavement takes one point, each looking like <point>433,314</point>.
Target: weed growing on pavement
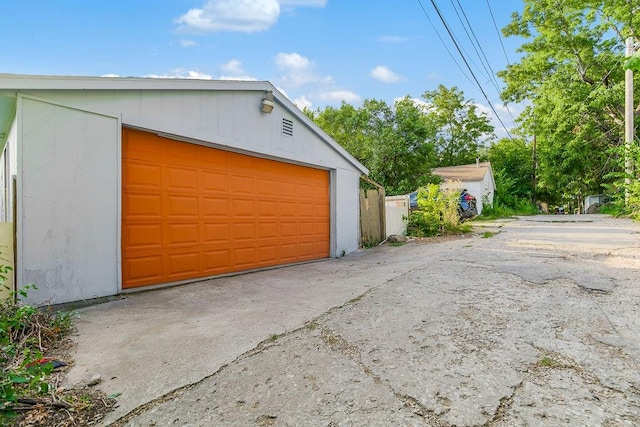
<point>548,362</point>
<point>488,234</point>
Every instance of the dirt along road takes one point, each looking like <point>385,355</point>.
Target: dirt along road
<point>537,325</point>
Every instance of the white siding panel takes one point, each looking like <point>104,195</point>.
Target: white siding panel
<point>69,200</point>
<point>345,212</point>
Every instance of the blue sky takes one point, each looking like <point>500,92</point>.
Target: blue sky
<point>317,52</point>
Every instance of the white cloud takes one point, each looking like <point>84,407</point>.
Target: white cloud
<point>238,15</point>
<point>181,73</point>
<point>244,77</point>
<point>303,102</point>
<point>231,15</point>
<point>233,70</point>
<point>339,96</point>
<point>188,43</point>
<point>233,66</point>
<point>298,70</point>
<point>110,75</point>
<point>385,75</point>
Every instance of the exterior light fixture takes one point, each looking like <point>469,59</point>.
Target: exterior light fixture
<point>267,103</point>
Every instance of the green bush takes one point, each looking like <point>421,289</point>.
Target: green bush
<point>437,212</point>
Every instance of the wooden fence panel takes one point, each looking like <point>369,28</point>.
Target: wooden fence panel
<point>372,217</point>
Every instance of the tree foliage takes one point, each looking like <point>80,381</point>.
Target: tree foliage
<point>401,143</point>
<point>571,76</point>
<point>461,129</point>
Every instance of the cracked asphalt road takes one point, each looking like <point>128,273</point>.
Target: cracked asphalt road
<point>538,325</point>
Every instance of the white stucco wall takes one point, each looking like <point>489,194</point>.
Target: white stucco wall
<point>69,179</point>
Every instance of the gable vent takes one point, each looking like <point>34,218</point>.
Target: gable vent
<point>287,127</point>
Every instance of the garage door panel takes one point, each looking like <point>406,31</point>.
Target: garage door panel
<point>213,160</point>
<point>306,228</point>
<point>243,209</point>
<point>244,257</point>
<point>215,182</point>
<point>143,270</point>
<point>191,211</point>
<point>179,153</point>
<point>181,234</point>
<point>182,265</point>
<point>244,231</point>
<point>287,190</point>
<point>142,145</point>
<point>142,175</point>
<point>267,255</point>
<point>181,207</point>
<point>215,207</point>
<point>216,233</point>
<point>142,206</point>
<point>181,179</point>
<point>142,236</point>
<point>266,187</point>
<point>306,249</point>
<point>241,185</point>
<point>216,261</point>
<point>266,210</point>
<point>288,229</point>
<point>289,251</point>
<point>267,230</point>
<point>306,210</point>
<point>286,209</point>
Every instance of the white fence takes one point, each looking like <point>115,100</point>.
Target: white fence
<point>396,214</point>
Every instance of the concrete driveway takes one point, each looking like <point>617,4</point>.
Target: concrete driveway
<point>538,324</point>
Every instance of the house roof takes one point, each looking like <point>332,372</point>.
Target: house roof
<point>466,173</point>
<point>12,84</point>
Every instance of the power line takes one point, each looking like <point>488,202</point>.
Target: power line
<point>491,72</point>
<point>443,43</point>
<point>472,37</point>
<point>446,26</point>
<point>495,25</point>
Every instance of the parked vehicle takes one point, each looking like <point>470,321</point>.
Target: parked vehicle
<point>467,206</point>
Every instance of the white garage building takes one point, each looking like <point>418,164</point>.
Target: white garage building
<point>121,183</point>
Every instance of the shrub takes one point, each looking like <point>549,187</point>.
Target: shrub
<point>437,212</point>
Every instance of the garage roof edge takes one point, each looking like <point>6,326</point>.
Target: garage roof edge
<point>19,82</point>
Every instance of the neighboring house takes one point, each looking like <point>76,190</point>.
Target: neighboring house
<point>593,202</point>
<point>477,178</point>
<point>122,183</point>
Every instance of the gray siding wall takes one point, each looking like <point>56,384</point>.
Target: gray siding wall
<point>68,176</point>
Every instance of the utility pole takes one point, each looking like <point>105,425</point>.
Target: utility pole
<point>535,171</point>
<point>629,130</point>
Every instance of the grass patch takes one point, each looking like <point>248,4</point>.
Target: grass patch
<point>488,234</point>
<point>549,362</point>
<point>397,244</point>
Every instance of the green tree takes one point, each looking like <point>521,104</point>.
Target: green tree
<point>461,129</point>
<point>512,164</point>
<point>394,142</point>
<point>570,74</point>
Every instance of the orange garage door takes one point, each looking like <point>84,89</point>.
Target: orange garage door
<point>190,211</point>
